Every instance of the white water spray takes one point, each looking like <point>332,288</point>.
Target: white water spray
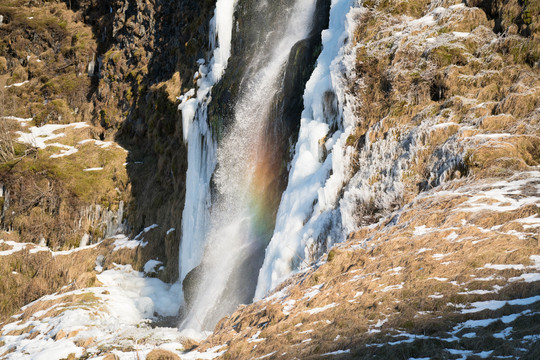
<point>201,145</point>
<point>232,237</point>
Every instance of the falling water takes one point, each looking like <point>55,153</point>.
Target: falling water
<point>236,237</point>
<point>198,136</point>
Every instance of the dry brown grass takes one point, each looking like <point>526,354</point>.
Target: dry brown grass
<point>401,281</point>
<point>51,198</point>
<point>65,46</point>
<point>162,355</point>
<point>50,46</point>
<point>482,83</point>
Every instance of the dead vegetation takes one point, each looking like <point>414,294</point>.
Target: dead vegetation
<point>56,199</point>
<point>45,50</point>
<point>10,149</point>
<point>162,355</point>
<point>456,74</point>
<point>53,62</point>
<point>64,62</point>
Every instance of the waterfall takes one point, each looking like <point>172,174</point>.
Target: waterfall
<point>201,144</point>
<point>235,236</point>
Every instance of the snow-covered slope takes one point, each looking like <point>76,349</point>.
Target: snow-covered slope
<point>454,274</point>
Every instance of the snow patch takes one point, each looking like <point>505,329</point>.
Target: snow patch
<point>93,169</point>
<point>17,84</point>
<point>101,144</point>
<point>124,304</point>
<point>392,287</point>
<point>321,309</point>
<point>497,304</point>
<point>288,306</point>
<point>504,266</point>
<point>422,230</point>
<point>15,247</point>
<point>123,242</point>
<point>150,266</point>
<point>312,292</point>
<point>337,352</point>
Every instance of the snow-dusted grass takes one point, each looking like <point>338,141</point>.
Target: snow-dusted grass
<point>22,121</point>
<point>65,138</point>
<point>506,195</point>
<point>33,248</point>
<point>101,144</point>
<point>432,283</point>
<point>112,317</point>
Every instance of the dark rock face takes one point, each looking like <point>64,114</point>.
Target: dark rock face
<point>147,58</point>
<point>189,286</point>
